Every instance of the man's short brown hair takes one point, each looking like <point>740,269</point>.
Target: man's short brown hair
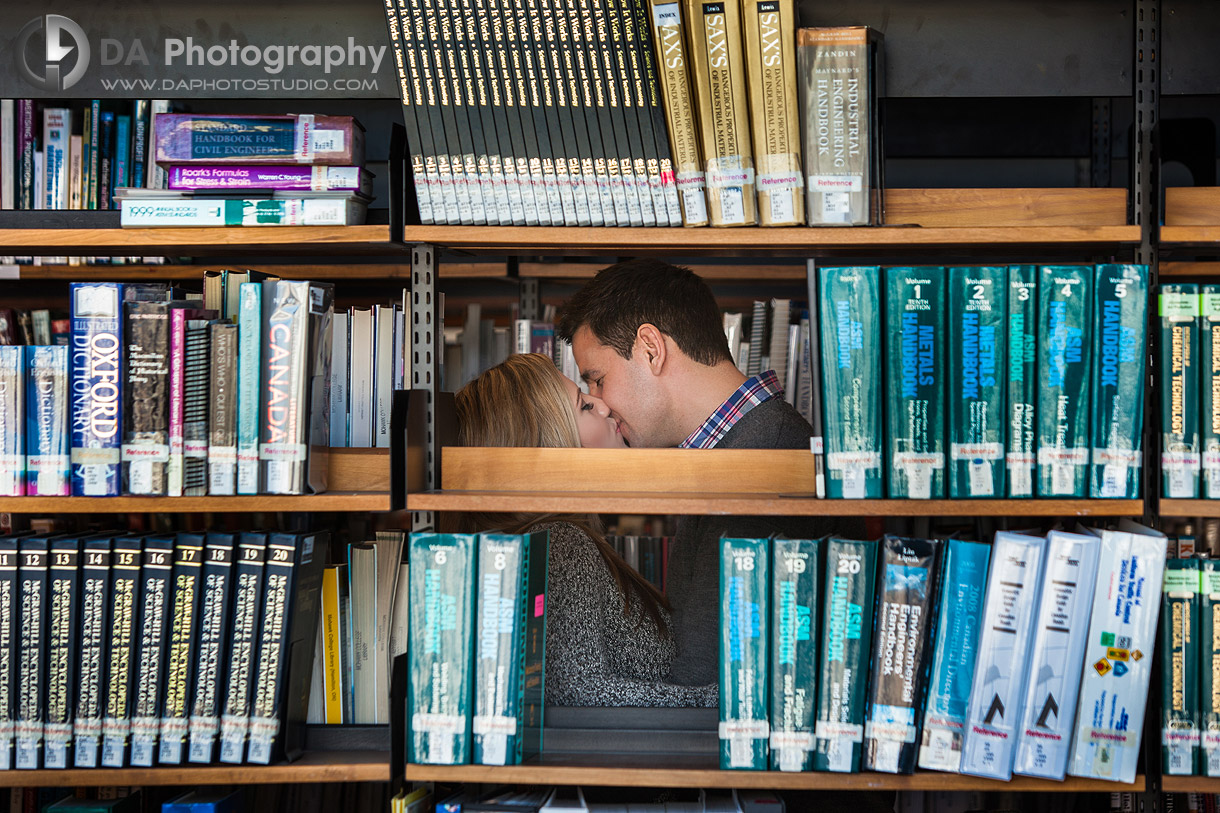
<point>626,295</point>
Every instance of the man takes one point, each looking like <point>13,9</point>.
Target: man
<point>649,340</point>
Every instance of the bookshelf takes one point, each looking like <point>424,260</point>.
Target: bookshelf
<point>337,271</point>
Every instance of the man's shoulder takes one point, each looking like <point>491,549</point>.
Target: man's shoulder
<point>773,424</point>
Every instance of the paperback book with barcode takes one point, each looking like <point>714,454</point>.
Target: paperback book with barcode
<point>1120,329</point>
<point>1022,386</point>
<point>977,319</point>
<point>915,311</point>
<point>63,648</point>
<point>1065,317</point>
<point>1178,307</point>
<point>796,586</point>
<point>1180,650</point>
<point>242,653</point>
<point>745,586</point>
<point>94,656</point>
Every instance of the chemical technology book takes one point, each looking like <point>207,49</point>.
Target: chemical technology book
<point>1179,641</point>
<point>1209,672</point>
<point>744,590</point>
<point>1178,306</point>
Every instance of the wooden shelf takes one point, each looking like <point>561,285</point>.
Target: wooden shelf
<point>1188,508</point>
<point>168,272</point>
<point>1209,236</point>
<point>739,504</point>
<point>650,771</point>
<point>1190,784</point>
<point>290,240</point>
<point>316,766</point>
<point>1190,269</point>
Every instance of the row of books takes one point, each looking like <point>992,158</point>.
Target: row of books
<point>368,362</point>
<point>160,397</point>
<point>996,381</point>
<point>1189,355</point>
<point>838,655</point>
<point>161,649</point>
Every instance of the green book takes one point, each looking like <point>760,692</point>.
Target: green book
<point>847,610</point>
<point>1022,391</point>
<point>1064,318</point>
<point>1178,306</point>
<point>977,428</point>
<point>1209,389</point>
<point>851,371</point>
<point>915,381</point>
<point>794,651</point>
<point>744,589</point>
<point>1180,668</point>
<point>1120,321</point>
<point>440,648</point>
<point>1209,672</point>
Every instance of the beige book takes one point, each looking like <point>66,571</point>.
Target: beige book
<point>769,35</point>
<point>75,167</point>
<point>718,72</point>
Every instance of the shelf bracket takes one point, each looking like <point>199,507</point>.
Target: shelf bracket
<point>426,342</point>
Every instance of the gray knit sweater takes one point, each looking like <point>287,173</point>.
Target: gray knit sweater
<point>595,654</point>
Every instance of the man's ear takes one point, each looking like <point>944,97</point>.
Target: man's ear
<point>650,343</point>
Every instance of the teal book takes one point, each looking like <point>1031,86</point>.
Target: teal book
<point>1178,306</point>
<point>1209,388</point>
<point>744,591</point>
<point>1065,317</point>
<point>1120,319</point>
<point>249,344</point>
<point>795,586</point>
<point>1209,672</point>
<point>847,607</point>
<point>503,607</point>
<point>977,428</point>
<point>962,587</point>
<point>1022,390</point>
<point>850,327</point>
<point>915,381</point>
<point>1179,642</point>
<point>441,647</point>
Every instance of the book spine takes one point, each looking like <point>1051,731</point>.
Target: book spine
<point>56,131</point>
<point>489,89</point>
<point>222,418</point>
<point>96,388</point>
<point>670,196</point>
<point>334,643</point>
<point>1120,322</point>
<point>249,337</point>
<point>145,447</point>
<point>122,151</point>
<point>25,154</point>
<point>431,129</point>
<point>156,588</point>
<point>1004,647</point>
<point>957,637</point>
<point>720,91</point>
<point>183,635</point>
<point>646,160</point>
<point>215,611</point>
<point>670,38</point>
<point>503,561</point>
<point>1179,348</point>
<point>453,144</point>
<point>915,309</point>
<point>32,652</point>
<point>1065,354</point>
<point>1209,389</point>
<point>94,656</point>
<point>383,373</point>
<point>795,589</point>
<point>482,125</point>
<point>1179,641</point>
<point>8,154</point>
<point>139,143</point>
<point>582,145</point>
<point>242,652</point>
<point>1057,656</point>
<point>304,179</point>
<point>745,589</point>
<point>604,49</point>
<point>75,172</point>
<point>513,161</point>
<point>105,162</point>
<point>769,32</point>
<point>1022,379</point>
<point>1209,672</point>
<point>63,649</point>
<point>91,134</point>
<point>814,362</point>
<point>10,626</point>
<point>908,582</point>
<point>123,619</point>
<point>851,569</point>
<point>851,361</point>
<point>284,431</point>
<point>474,163</point>
<point>440,674</point>
<point>402,46</point>
<point>339,397</point>
<point>174,469</point>
<point>595,95</point>
<point>565,143</point>
<point>196,408</point>
<point>12,420</point>
<point>977,300</point>
<point>299,138</point>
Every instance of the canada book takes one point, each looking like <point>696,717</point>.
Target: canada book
<point>508,576</point>
<point>32,649</point>
<point>1056,661</point>
<point>303,138</point>
<point>48,461</point>
<point>1120,329</point>
<point>96,381</point>
<point>287,637</point>
<point>851,367</point>
<point>915,310</point>
<point>1179,641</point>
<point>1065,317</point>
<point>211,658</point>
<point>10,627</point>
<point>242,653</point>
<point>145,447</point>
<point>122,638</point>
<point>841,82</point>
<point>12,420</point>
<point>94,656</point>
<point>156,595</point>
<point>745,588</point>
<point>1119,654</point>
<point>847,607</point>
<point>1178,352</point>
<point>1209,672</point>
<point>63,648</point>
<point>293,178</point>
<point>977,320</point>
<point>201,212</point>
<point>994,711</point>
<point>796,586</point>
<point>907,591</point>
<point>294,435</point>
<point>440,671</point>
<point>962,586</point>
<point>181,641</point>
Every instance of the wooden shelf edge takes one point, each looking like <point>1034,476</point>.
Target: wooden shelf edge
<point>1190,784</point>
<point>667,777</point>
<point>316,766</point>
<point>1190,235</point>
<point>330,501</point>
<point>1188,508</point>
<point>757,505</point>
<point>202,241</point>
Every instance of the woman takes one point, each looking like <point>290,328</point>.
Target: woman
<point>607,628</point>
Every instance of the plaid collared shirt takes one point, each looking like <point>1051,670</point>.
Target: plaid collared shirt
<point>752,392</point>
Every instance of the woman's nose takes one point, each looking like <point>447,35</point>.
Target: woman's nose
<point>602,409</point>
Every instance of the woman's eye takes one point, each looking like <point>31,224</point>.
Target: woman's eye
<point>585,406</point>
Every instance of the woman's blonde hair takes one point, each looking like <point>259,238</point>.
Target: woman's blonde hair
<point>523,401</point>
